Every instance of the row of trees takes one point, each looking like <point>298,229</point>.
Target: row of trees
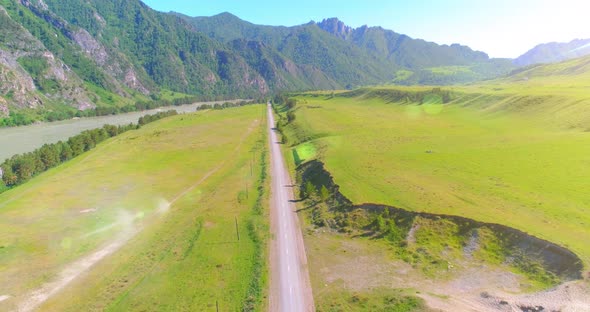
<point>282,99</point>
<point>151,118</point>
<point>21,119</point>
<point>20,168</point>
<point>385,226</point>
<point>309,191</point>
<point>226,105</point>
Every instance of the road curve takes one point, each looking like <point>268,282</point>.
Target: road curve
<point>290,286</point>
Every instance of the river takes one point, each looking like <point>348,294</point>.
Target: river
<point>17,140</point>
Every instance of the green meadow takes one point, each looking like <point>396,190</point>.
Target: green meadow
<point>493,156</point>
<point>175,194</point>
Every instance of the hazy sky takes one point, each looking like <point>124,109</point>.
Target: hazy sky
<point>501,28</point>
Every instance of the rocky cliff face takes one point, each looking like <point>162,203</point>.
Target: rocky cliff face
<point>120,73</point>
<point>118,70</point>
<point>336,27</point>
<point>30,75</point>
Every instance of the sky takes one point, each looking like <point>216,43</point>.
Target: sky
<point>501,28</point>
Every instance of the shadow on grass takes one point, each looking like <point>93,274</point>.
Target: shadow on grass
<point>222,243</point>
<point>367,235</point>
<point>312,205</point>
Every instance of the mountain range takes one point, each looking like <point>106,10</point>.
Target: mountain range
<point>358,56</point>
<point>69,55</point>
<point>553,52</point>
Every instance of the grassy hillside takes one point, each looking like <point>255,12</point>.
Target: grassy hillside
<point>554,52</point>
<point>569,78</point>
<point>461,158</point>
<point>170,193</point>
<point>555,95</point>
<point>453,74</point>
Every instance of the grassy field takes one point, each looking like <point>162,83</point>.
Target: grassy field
<point>171,193</point>
<point>501,166</point>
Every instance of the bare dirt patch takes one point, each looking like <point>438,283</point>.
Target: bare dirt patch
<point>352,265</point>
<point>89,210</point>
<point>72,271</point>
<point>571,296</point>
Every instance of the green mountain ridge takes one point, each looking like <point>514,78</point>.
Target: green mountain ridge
<point>68,55</point>
<point>381,55</point>
<point>306,45</point>
<point>109,53</point>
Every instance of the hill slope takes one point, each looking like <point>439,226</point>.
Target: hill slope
<point>569,78</point>
<point>60,54</point>
<point>555,94</point>
<point>554,52</point>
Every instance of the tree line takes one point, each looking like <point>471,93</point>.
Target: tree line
<point>284,99</point>
<point>22,119</point>
<point>279,102</point>
<point>219,106</point>
<point>20,168</point>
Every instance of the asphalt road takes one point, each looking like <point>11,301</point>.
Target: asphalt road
<point>290,286</point>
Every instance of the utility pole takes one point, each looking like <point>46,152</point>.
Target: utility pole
<point>252,163</point>
<point>237,229</point>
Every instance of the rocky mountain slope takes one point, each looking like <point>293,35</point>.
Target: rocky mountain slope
<point>82,54</point>
<point>30,74</point>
